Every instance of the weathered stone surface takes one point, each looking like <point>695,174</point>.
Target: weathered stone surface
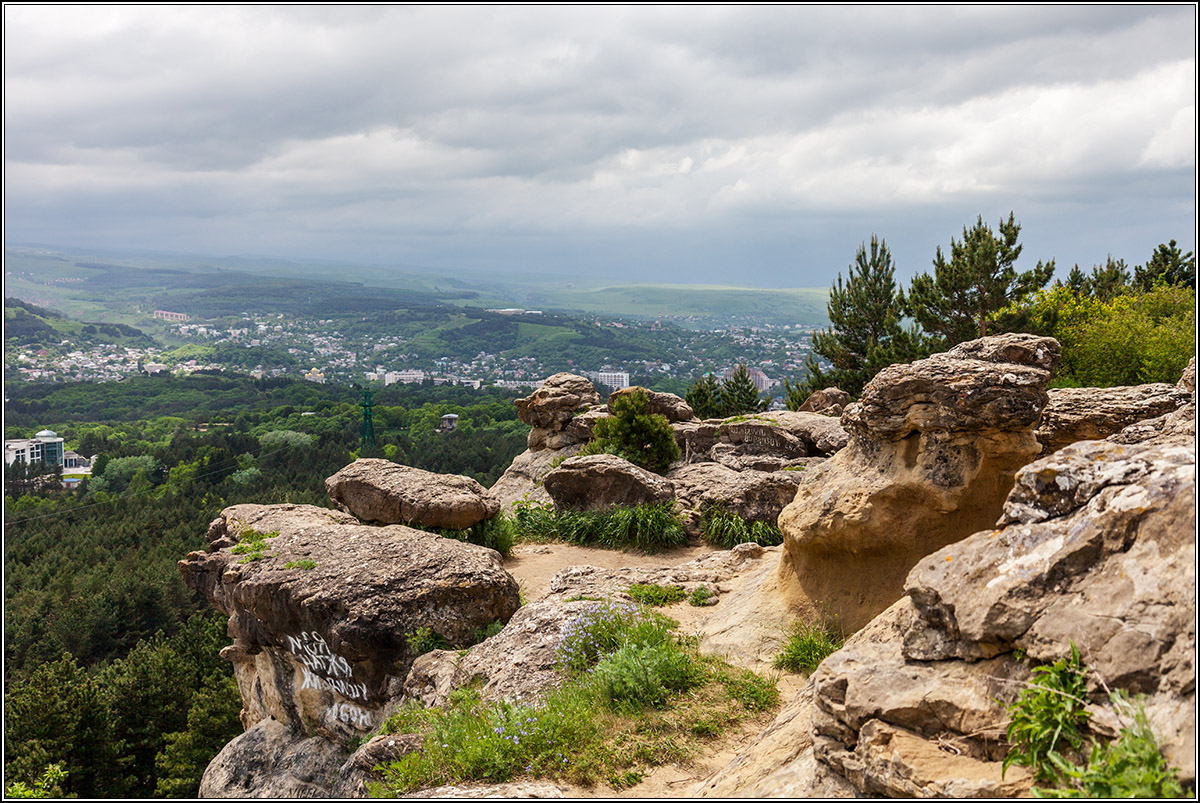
<point>359,770</point>
<point>830,401</point>
<point>753,495</point>
<point>932,453</point>
<point>695,439</point>
<point>710,570</point>
<point>533,790</point>
<point>821,434</point>
<point>552,406</point>
<point>1096,546</point>
<point>992,383</point>
<point>271,761</point>
<point>382,491</point>
<point>319,650</point>
<point>604,480</point>
<point>1180,423</point>
<point>667,405</point>
<point>523,479</point>
<point>1086,414</point>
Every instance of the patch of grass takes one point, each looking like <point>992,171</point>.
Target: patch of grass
<point>808,644</point>
<point>1048,715</point>
<point>700,596</point>
<point>252,544</point>
<point>654,595</point>
<point>649,699</point>
<point>494,533</point>
<point>487,631</point>
<point>650,528</point>
<point>304,563</point>
<point>725,529</point>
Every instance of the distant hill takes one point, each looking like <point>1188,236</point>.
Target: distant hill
<point>33,326</point>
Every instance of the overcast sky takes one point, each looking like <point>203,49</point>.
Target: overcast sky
<point>738,145</point>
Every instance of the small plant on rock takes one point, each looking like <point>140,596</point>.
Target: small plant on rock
<point>253,544</point>
<point>700,596</point>
<point>808,644</point>
<point>655,595</point>
<point>722,528</point>
<point>1047,716</point>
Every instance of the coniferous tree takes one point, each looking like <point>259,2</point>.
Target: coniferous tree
<point>739,394</point>
<point>1108,282</point>
<point>963,298</point>
<point>864,334</point>
<point>634,433</point>
<point>1168,265</point>
<point>704,397</point>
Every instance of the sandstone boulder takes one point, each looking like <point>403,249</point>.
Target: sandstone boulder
<point>320,619</point>
<point>383,491</point>
<point>667,405</point>
<point>753,495</point>
<point>550,408</point>
<point>830,401</point>
<point>1180,423</point>
<point>932,452</point>
<point>271,761</point>
<point>604,480</point>
<point>1086,414</point>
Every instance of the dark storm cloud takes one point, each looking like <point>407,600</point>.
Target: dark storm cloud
<point>575,137</point>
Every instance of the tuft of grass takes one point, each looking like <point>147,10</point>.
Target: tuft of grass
<point>252,544</point>
<point>700,596</point>
<point>722,528</point>
<point>650,528</point>
<point>808,644</point>
<point>654,595</point>
<point>1048,715</point>
<point>495,533</point>
<point>425,639</point>
<point>304,563</point>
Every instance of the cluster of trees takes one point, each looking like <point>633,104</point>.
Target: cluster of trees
<point>735,395</point>
<point>1116,327</point>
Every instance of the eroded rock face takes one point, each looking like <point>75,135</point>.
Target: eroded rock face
<point>830,401</point>
<point>1087,414</point>
<point>523,479</point>
<point>550,408</point>
<point>320,622</point>
<point>1181,423</point>
<point>753,495</point>
<point>382,491</point>
<point>932,453</point>
<point>604,480</point>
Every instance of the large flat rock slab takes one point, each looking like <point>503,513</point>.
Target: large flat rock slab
<point>382,491</point>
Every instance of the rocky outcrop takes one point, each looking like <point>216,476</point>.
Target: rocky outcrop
<point>830,401</point>
<point>1085,414</point>
<point>382,491</point>
<point>1096,547</point>
<point>320,610</point>
<point>552,406</point>
<point>522,481</point>
<point>932,452</point>
<point>604,480</point>
<point>1181,423</point>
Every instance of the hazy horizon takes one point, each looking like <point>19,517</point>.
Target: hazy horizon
<point>750,146</point>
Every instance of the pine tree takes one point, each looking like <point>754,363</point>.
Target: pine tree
<point>962,299</point>
<point>704,397</point>
<point>1168,265</point>
<point>864,334</point>
<point>739,394</point>
<point>1108,282</point>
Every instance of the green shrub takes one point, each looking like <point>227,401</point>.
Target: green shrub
<point>722,528</point>
<point>808,644</point>
<point>700,596</point>
<point>495,533</point>
<point>655,595</point>
<point>635,434</point>
<point>49,784</point>
<point>1045,734</point>
<point>1047,716</point>
<point>636,677</point>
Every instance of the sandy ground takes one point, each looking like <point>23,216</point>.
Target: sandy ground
<point>533,565</point>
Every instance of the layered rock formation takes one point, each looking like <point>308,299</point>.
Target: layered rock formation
<point>932,452</point>
<point>604,480</point>
<point>321,608</point>
<point>1095,546</point>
